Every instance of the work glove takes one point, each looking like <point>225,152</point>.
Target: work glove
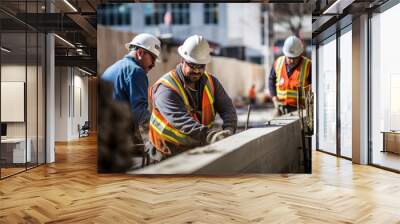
<point>278,109</point>
<point>210,135</point>
<point>276,102</point>
<point>154,156</point>
<point>214,136</point>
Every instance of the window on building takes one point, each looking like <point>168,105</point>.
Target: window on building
<point>180,13</point>
<point>114,14</point>
<point>210,13</point>
<point>154,13</point>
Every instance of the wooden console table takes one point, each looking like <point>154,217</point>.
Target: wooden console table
<point>391,141</point>
<point>13,150</point>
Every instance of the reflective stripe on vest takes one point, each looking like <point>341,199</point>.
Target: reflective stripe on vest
<point>161,130</point>
<point>287,87</point>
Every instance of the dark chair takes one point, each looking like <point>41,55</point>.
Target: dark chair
<point>84,130</point>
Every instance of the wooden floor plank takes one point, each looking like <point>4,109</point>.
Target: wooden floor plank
<point>71,191</point>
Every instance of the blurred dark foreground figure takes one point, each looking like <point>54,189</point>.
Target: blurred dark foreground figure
<point>118,139</point>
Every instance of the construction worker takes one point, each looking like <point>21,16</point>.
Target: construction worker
<point>252,95</point>
<point>129,75</point>
<point>289,73</point>
<point>185,101</point>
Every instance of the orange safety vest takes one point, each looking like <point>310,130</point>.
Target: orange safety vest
<point>161,131</point>
<point>286,88</point>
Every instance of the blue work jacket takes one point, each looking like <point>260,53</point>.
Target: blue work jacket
<point>130,84</point>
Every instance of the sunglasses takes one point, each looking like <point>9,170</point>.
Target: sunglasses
<point>153,57</point>
<point>195,66</point>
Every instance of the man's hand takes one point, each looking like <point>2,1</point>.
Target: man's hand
<point>214,136</point>
<point>210,135</point>
<point>277,107</point>
<point>276,102</point>
<point>266,98</point>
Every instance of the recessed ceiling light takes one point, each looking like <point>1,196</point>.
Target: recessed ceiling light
<point>65,41</point>
<point>84,71</point>
<point>338,6</point>
<point>5,50</point>
<point>70,5</point>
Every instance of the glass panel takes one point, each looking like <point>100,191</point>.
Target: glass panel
<point>327,97</point>
<point>31,98</point>
<point>22,78</point>
<point>346,94</point>
<point>385,89</point>
<point>41,98</point>
<point>13,87</point>
<point>42,90</point>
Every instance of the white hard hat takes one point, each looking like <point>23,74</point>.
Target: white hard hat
<point>293,47</point>
<point>147,42</point>
<point>196,50</point>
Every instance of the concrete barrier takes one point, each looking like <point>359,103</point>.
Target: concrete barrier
<point>273,149</point>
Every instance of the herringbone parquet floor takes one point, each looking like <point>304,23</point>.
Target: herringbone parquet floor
<point>70,191</point>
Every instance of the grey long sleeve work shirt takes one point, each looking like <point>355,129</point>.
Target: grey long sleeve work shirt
<point>172,107</point>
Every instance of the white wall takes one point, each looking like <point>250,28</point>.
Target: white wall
<point>33,125</point>
<point>61,103</point>
<point>12,73</point>
<point>71,94</point>
<point>244,25</point>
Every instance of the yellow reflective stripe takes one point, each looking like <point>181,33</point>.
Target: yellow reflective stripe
<point>208,94</point>
<point>279,62</point>
<point>185,99</point>
<point>303,71</point>
<point>168,132</point>
<point>169,77</point>
<point>210,98</point>
<point>282,63</point>
<point>162,134</point>
<point>167,83</point>
<point>279,67</point>
<point>288,93</point>
<point>303,75</point>
<point>210,82</point>
<point>176,132</point>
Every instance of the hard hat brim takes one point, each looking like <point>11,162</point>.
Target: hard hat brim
<point>128,46</point>
<point>193,60</point>
<point>291,55</point>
